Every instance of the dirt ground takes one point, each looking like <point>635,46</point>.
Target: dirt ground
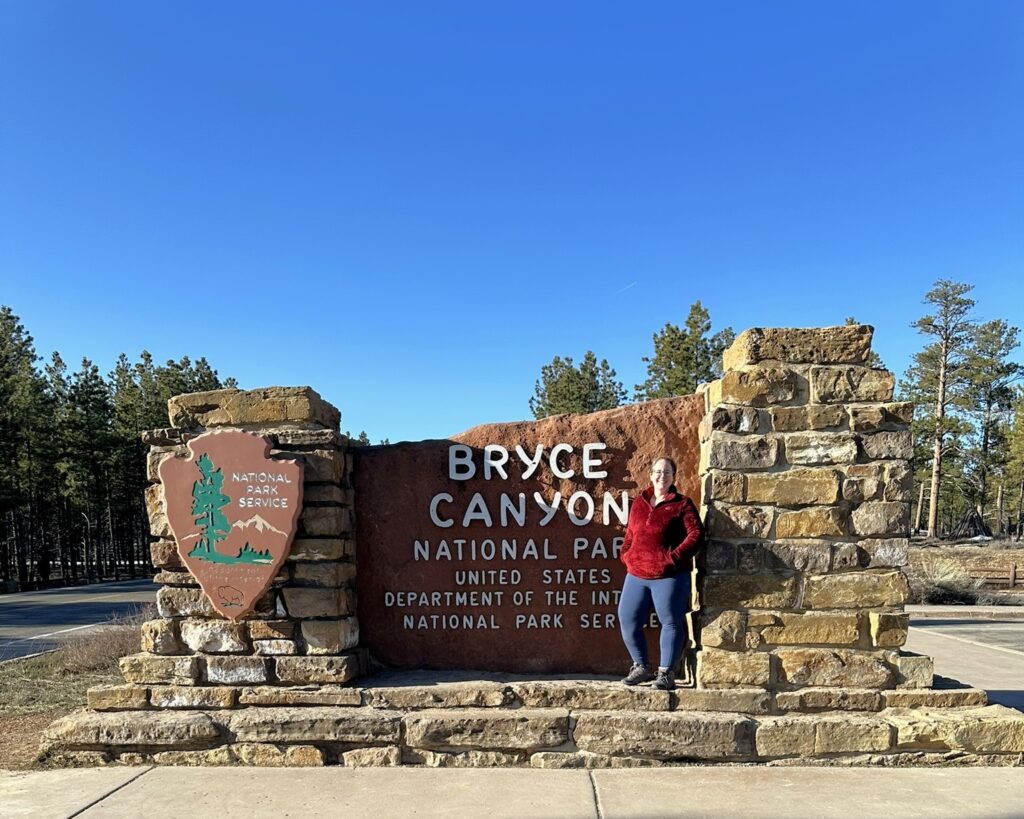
<point>20,737</point>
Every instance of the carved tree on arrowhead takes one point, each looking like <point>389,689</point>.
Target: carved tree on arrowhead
<point>207,502</point>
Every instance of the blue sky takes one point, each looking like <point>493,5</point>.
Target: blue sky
<point>413,206</point>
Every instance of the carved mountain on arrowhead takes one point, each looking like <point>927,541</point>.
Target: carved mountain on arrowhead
<point>260,524</point>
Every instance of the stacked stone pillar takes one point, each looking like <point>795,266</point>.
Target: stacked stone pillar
<point>303,630</point>
<point>806,493</point>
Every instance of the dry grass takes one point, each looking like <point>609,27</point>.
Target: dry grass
<point>944,582</point>
<point>38,690</point>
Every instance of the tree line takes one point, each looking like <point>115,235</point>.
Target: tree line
<point>72,462</point>
<point>968,428</point>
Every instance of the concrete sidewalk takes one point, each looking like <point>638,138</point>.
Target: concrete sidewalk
<point>340,793</point>
<point>965,612</point>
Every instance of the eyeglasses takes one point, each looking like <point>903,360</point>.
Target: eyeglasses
<point>658,472</point>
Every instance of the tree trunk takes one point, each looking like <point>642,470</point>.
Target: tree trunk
<point>920,508</point>
<point>940,412</point>
<point>999,508</point>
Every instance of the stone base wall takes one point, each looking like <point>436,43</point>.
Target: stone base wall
<point>806,496</point>
<point>304,629</point>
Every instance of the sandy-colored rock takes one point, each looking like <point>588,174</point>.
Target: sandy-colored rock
<point>320,549</point>
<point>313,724</point>
<point>252,408</point>
<point>475,694</point>
<point>914,670</point>
<point>722,629</point>
<point>320,466</point>
<point>831,385</point>
<point>89,729</point>
<point>330,636</point>
<point>759,591</point>
<point>180,696</point>
<point>275,648</point>
<point>889,629</point>
<point>858,490</point>
<point>882,553</point>
<point>725,451</point>
<point>799,556</point>
<point>832,667</point>
<point>847,344</point>
<point>118,697</point>
<point>386,756</point>
<point>873,417</point>
<point>728,521</point>
<point>271,629</point>
<point>326,574</point>
<point>175,601</point>
<point>313,602</point>
<point>935,698</point>
<point>810,417</point>
<point>164,555</point>
<point>854,590</point>
<point>814,628</point>
<point>760,386</point>
<point>716,668</point>
<point>150,668</point>
<point>881,519</point>
<point>805,735</point>
<point>589,695</point>
<point>739,700</point>
<point>830,699</point>
<point>889,444</point>
<point>557,760</point>
<point>232,670</point>
<point>262,755</point>
<point>213,757</point>
<point>301,695</point>
<point>794,487</point>
<point>730,419</point>
<point>467,759</point>
<point>720,556</point>
<point>674,735</point>
<point>329,669</point>
<point>722,485</point>
<point>820,448</point>
<point>214,636</point>
<point>486,728</point>
<point>812,522</point>
<point>161,637</point>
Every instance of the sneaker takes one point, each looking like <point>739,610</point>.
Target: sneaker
<point>639,673</point>
<point>664,680</point>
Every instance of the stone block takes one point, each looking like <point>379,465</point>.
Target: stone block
<point>470,758</point>
<point>881,519</point>
<point>855,590</point>
<point>874,417</point>
<point>797,556</point>
<point>716,668</point>
<point>728,521</point>
<point>720,556</point>
<point>330,636</point>
<point>314,602</point>
<point>150,668</point>
<point>794,487</point>
<point>321,466</point>
<point>161,637</point>
<point>810,417</point>
<point>325,574</point>
<point>524,728</point>
<point>179,696</point>
<point>213,757</point>
<point>760,387</point>
<point>386,757</point>
<point>319,549</point>
<point>589,695</point>
<point>848,344</point>
<point>301,695</point>
<point>473,694</point>
<point>730,419</point>
<point>674,735</point>
<point>832,385</point>
<point>275,648</point>
<point>313,724</point>
<point>899,482</point>
<point>879,446</point>
<point>230,670</point>
<point>151,729</point>
<point>935,698</point>
<point>262,755</point>
<point>785,736</point>
<point>820,448</point>
<point>304,670</point>
<point>832,667</point>
<point>724,451</point>
<point>888,552</point>
<point>325,521</point>
<point>325,493</point>
<point>157,455</point>
<point>847,734</point>
<point>830,699</point>
<point>738,700</point>
<point>154,500</point>
<point>758,591</point>
<point>271,629</point>
<point>914,670</point>
<point>177,601</point>
<point>858,490</point>
<point>301,438</point>
<point>812,522</point>
<point>164,554</point>
<point>993,730</point>
<point>722,629</point>
<point>214,636</point>
<point>720,485</point>
<point>118,697</point>
<point>889,629</point>
<point>263,407</point>
<point>813,628</point>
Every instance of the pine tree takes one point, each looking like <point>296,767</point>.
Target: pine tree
<point>684,357</point>
<point>565,388</point>
<point>938,378</point>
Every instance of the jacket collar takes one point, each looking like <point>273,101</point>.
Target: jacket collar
<point>648,495</point>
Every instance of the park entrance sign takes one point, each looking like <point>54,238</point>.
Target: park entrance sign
<point>233,513</point>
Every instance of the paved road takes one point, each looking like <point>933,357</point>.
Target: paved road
<point>32,622</point>
<point>985,654</point>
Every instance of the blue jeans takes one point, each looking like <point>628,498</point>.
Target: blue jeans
<point>670,597</point>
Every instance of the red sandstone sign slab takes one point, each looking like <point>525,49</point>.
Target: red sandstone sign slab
<point>233,512</point>
<point>498,549</point>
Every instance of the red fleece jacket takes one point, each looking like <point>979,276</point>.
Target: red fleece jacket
<point>660,539</point>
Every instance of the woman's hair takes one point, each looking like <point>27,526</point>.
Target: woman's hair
<point>672,463</point>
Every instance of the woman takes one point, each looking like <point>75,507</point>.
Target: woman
<point>663,532</point>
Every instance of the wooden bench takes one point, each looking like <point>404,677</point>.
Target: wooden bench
<point>1008,575</point>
